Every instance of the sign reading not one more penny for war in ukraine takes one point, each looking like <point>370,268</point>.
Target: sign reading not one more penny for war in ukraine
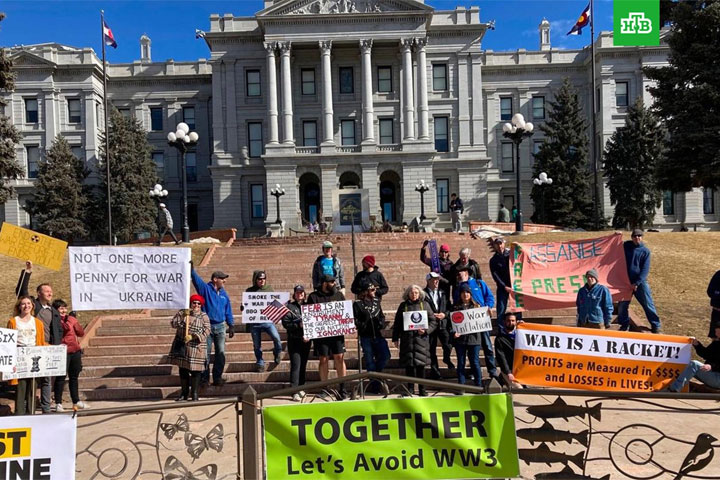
<point>120,278</point>
<point>331,319</point>
<point>255,302</point>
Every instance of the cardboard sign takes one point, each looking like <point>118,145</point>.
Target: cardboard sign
<point>35,362</point>
<point>8,350</point>
<point>255,302</point>
<point>600,360</point>
<point>321,320</point>
<point>25,244</point>
<point>473,320</point>
<point>123,278</point>
<point>468,436</point>
<point>38,446</point>
<point>415,320</point>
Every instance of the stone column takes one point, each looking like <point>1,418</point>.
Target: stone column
<point>231,108</point>
<point>52,119</point>
<point>423,127</point>
<point>287,112</point>
<point>367,92</point>
<point>327,103</point>
<point>463,101</point>
<point>407,88</point>
<point>272,93</point>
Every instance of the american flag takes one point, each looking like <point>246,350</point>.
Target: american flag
<point>275,311</point>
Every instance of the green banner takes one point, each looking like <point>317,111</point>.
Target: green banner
<point>469,436</point>
<point>636,22</point>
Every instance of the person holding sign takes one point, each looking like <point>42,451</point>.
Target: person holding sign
<point>414,344</point>
<point>370,322</point>
<point>500,271</point>
<point>468,345</point>
<point>708,372</point>
<point>505,346</point>
<point>594,303</point>
<point>192,329</point>
<point>31,333</point>
<point>298,347</point>
<point>260,285</point>
<point>444,262</point>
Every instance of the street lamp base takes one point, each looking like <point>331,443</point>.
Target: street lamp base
<point>186,235</point>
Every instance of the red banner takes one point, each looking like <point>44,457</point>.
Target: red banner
<point>549,275</point>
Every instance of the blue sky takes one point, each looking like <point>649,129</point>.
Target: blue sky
<point>171,24</point>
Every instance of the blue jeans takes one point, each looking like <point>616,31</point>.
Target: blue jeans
<point>375,352</point>
<point>711,379</point>
<point>473,351</point>
<point>256,331</point>
<point>644,298</point>
<point>489,354</point>
<point>502,297</point>
<point>216,337</point>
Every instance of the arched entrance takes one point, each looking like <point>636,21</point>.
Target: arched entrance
<point>390,197</point>
<point>350,180</point>
<point>310,198</point>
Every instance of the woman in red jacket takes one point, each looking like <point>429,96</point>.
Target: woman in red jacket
<point>71,332</point>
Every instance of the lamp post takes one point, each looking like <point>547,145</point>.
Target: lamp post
<point>182,139</point>
<point>158,193</point>
<point>422,188</point>
<point>277,192</point>
<point>542,179</point>
<point>516,131</point>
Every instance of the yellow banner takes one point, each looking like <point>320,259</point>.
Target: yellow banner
<point>25,244</point>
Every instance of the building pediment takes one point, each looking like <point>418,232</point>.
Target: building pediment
<point>343,7</point>
<point>24,58</point>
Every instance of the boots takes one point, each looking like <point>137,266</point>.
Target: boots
<point>195,387</point>
<point>184,388</point>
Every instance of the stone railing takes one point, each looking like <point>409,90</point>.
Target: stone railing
<point>390,147</point>
<point>347,149</point>
<point>306,150</point>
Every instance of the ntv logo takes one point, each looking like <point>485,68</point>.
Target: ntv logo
<point>635,23</point>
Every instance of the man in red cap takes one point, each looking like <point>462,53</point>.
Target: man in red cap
<point>446,273</point>
<point>371,274</point>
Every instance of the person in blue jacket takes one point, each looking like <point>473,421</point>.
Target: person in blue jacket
<point>594,303</point>
<point>218,309</point>
<point>637,258</point>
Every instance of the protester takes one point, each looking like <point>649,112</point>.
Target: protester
<point>713,292</point>
<point>456,209</point>
<point>439,304</point>
<point>414,344</point>
<point>166,224</point>
<point>298,347</point>
<point>370,323</point>
<point>259,280</point>
<point>31,332</point>
<point>467,345</point>
<point>218,309</point>
<point>514,213</point>
<point>637,258</point>
<point>386,226</point>
<point>505,346</point>
<point>192,328</point>
<point>708,372</point>
<point>50,317</point>
<point>446,265</point>
<point>324,347</point>
<point>71,331</point>
<point>500,271</point>
<point>328,264</point>
<point>594,303</point>
<point>372,274</point>
<point>464,261</point>
<point>503,214</point>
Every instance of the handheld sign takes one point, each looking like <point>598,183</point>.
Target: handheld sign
<point>474,320</point>
<point>255,303</point>
<point>415,320</point>
<point>331,319</point>
<point>8,349</point>
<point>25,244</point>
<point>44,361</point>
<point>434,257</point>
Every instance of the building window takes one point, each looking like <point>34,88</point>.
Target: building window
<point>440,77</point>
<point>668,203</point>
<point>442,187</point>
<point>506,157</point>
<point>156,119</point>
<point>124,111</point>
<point>308,81</point>
<point>708,201</point>
<point>191,166</point>
<point>74,114</point>
<point>255,139</point>
<point>189,117</point>
<point>384,79</point>
<point>386,131</point>
<point>31,110</point>
<point>347,83</point>
<point>252,83</point>
<point>310,133</point>
<point>441,134</point>
<point>506,111</point>
<point>509,201</point>
<point>347,132</point>
<point>33,160</point>
<point>158,159</point>
<point>538,108</point>
<point>257,200</point>
<point>621,94</point>
<point>78,152</point>
<point>537,144</point>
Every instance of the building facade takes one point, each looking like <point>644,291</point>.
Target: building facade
<point>323,97</point>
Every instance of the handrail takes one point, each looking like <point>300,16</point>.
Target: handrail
<point>157,406</point>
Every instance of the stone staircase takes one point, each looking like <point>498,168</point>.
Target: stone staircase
<point>126,358</point>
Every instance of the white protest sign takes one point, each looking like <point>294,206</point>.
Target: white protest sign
<point>321,320</point>
<point>35,362</point>
<point>255,302</point>
<point>38,446</point>
<point>125,278</point>
<point>415,320</point>
<point>471,321</point>
<point>8,349</point>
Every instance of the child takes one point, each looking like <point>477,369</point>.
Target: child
<point>71,331</point>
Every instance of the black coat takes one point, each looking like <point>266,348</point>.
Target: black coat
<point>504,352</point>
<point>414,346</point>
<point>56,332</point>
<point>443,306</point>
<point>369,318</point>
<point>474,270</point>
<point>470,338</point>
<point>293,321</point>
<point>374,277</point>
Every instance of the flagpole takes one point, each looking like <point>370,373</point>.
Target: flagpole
<point>594,99</point>
<point>107,136</point>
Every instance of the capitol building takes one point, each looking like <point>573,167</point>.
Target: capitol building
<point>333,99</point>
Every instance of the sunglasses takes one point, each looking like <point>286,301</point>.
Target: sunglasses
<point>195,303</point>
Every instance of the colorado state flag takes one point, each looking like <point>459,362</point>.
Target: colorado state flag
<point>581,23</point>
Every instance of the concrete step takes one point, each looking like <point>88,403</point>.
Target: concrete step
<point>159,393</point>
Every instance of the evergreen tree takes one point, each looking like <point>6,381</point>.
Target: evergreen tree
<point>60,200</point>
<point>9,135</point>
<point>630,157</point>
<point>132,175</point>
<point>687,97</point>
<point>564,157</point>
